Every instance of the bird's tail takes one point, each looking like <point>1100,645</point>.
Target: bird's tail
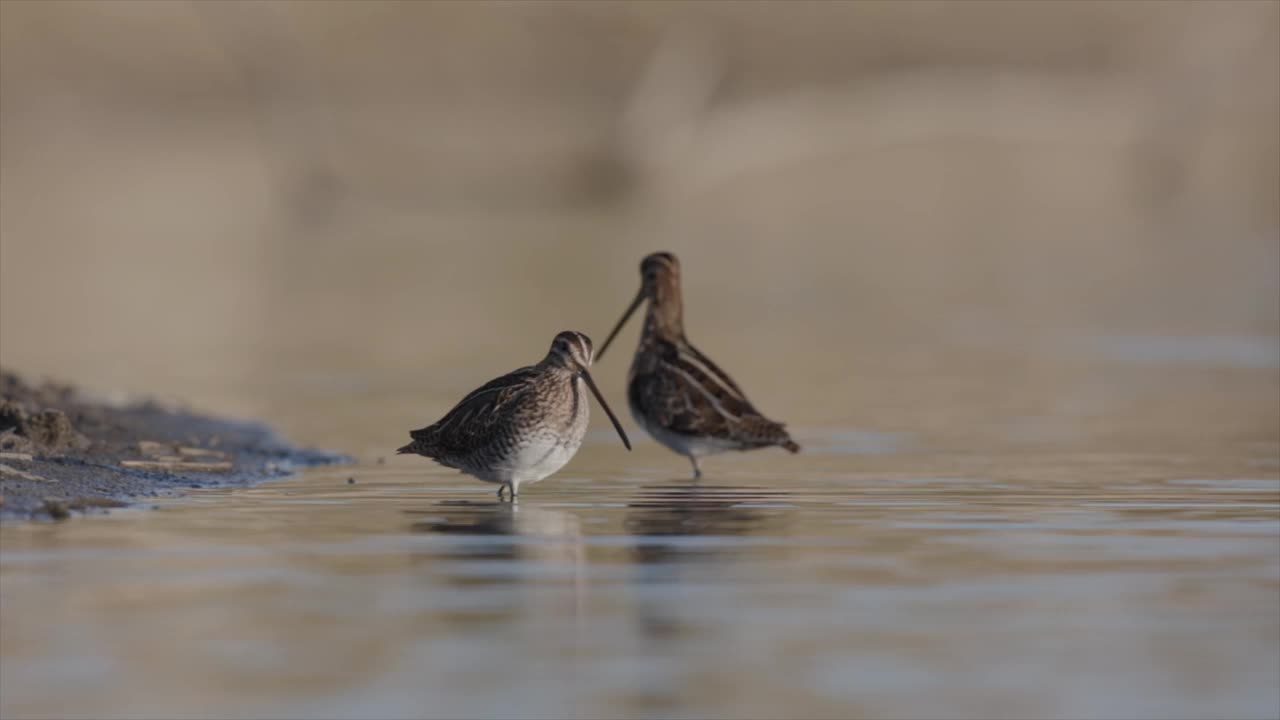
<point>764,432</point>
<point>422,442</point>
<point>417,447</point>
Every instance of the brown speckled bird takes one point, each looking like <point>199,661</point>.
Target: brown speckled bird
<point>676,393</point>
<point>523,426</point>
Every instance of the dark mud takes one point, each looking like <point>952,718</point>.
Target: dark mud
<point>62,453</point>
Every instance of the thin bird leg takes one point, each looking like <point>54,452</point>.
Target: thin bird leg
<point>697,471</point>
<point>500,489</point>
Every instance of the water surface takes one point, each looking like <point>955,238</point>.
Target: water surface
<point>847,582</point>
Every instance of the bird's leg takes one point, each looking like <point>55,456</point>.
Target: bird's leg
<point>697,471</point>
<point>515,491</point>
<point>500,489</point>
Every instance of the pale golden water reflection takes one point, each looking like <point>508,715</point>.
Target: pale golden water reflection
<point>913,584</point>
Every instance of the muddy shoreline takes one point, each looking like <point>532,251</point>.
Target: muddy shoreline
<point>63,453</point>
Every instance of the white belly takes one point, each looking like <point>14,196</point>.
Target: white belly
<point>688,445</point>
<point>543,457</point>
<point>535,460</point>
<point>544,452</point>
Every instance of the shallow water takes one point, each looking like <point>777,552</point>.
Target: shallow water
<point>995,524</point>
<point>1024,326</point>
<point>846,582</point>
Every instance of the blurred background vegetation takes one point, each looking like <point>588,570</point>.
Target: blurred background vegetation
<point>247,203</point>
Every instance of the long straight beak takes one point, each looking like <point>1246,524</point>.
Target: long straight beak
<point>612,418</point>
<point>625,317</point>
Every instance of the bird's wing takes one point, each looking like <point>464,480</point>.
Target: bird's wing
<point>476,412</point>
<point>693,354</point>
<point>684,392</point>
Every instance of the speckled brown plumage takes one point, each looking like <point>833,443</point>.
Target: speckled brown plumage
<point>681,398</point>
<point>521,427</point>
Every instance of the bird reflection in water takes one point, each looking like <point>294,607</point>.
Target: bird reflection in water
<point>464,517</point>
<point>681,530</point>
<point>495,544</point>
<point>684,512</point>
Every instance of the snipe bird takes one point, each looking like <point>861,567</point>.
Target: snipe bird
<point>681,398</point>
<point>523,426</point>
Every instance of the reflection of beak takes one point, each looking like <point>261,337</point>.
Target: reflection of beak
<point>625,316</point>
<point>612,418</point>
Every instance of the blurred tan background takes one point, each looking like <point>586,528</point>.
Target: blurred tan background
<point>274,209</point>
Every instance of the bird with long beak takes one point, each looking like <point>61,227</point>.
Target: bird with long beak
<point>523,426</point>
<point>681,398</point>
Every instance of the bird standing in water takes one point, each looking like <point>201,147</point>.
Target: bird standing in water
<point>676,393</point>
<point>523,426</point>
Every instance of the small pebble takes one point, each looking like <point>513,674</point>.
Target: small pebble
<point>351,481</point>
<point>382,461</point>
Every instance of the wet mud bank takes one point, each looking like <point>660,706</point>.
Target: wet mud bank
<point>63,453</point>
